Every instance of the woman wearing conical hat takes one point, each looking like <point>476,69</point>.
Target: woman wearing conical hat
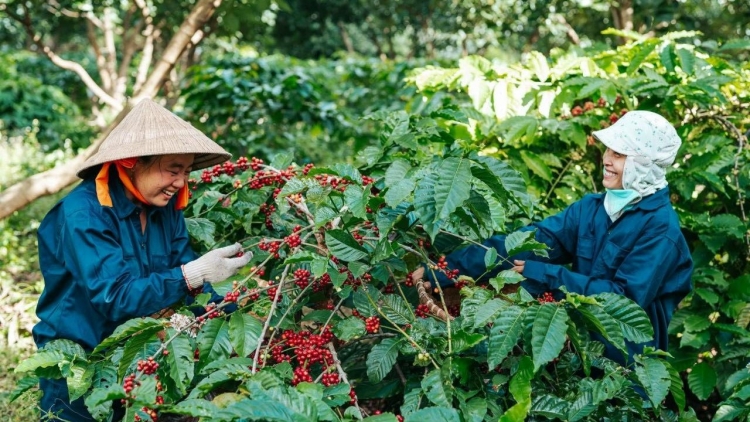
<point>116,247</point>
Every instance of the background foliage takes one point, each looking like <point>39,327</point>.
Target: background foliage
<point>525,108</point>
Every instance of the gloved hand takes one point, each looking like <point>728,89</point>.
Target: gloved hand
<point>215,266</point>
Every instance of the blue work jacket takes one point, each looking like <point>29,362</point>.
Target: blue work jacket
<point>100,269</point>
<point>643,256</point>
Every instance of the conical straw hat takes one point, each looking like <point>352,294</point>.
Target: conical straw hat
<point>150,129</point>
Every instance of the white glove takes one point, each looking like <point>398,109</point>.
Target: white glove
<point>215,266</point>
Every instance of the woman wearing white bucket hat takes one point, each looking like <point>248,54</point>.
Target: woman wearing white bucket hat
<point>117,247</point>
<point>627,240</point>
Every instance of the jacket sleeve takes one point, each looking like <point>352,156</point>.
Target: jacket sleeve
<point>639,277</point>
<point>182,252</point>
<point>558,232</point>
<point>96,260</point>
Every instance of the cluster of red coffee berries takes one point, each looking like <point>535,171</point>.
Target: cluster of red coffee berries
<point>442,265</point>
<point>301,374</point>
<point>293,240</point>
<point>330,378</point>
<point>254,295</point>
<point>546,297</point>
<point>268,210</point>
<point>321,283</point>
<point>372,324</point>
<point>304,349</point>
<point>232,296</point>
<point>256,163</point>
<point>206,176</point>
<point>272,247</point>
<point>271,292</point>
<point>148,366</point>
<point>128,383</point>
<point>336,183</point>
<point>409,281</point>
<point>301,278</point>
<point>422,310</point>
<point>270,177</point>
<point>589,105</point>
<point>211,312</point>
<point>150,412</point>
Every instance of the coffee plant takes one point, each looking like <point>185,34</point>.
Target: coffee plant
<point>327,322</point>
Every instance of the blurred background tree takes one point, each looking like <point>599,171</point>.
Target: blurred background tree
<point>263,77</point>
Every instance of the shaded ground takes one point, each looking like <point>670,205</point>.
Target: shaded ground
<point>23,409</point>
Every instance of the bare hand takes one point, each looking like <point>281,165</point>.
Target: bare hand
<point>417,275</point>
<point>518,266</point>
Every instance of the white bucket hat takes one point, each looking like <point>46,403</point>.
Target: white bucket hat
<point>150,129</point>
<point>645,134</point>
<point>650,143</point>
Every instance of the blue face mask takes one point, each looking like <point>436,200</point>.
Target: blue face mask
<point>617,201</point>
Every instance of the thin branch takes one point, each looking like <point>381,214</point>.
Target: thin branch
<point>109,46</point>
<point>267,323</point>
<point>74,67</point>
<point>129,46</point>
<point>342,374</point>
<point>200,14</point>
<point>54,7</point>
<point>150,32</point>
<point>559,177</point>
<point>100,60</point>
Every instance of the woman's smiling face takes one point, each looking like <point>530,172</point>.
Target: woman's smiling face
<point>163,177</point>
<point>614,163</point>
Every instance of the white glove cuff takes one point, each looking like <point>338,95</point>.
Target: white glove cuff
<point>194,273</point>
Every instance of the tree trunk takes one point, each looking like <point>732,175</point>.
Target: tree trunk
<point>622,16</point>
<point>345,37</point>
<point>52,181</point>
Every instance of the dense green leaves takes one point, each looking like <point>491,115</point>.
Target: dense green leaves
<point>381,358</point>
<point>504,334</point>
<point>343,246</point>
<point>128,329</point>
<point>702,380</point>
<point>655,379</point>
<point>452,187</point>
<point>180,360</point>
<point>548,333</point>
<point>520,388</point>
<point>213,341</point>
<point>244,333</point>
